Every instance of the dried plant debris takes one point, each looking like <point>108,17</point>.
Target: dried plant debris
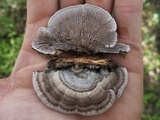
<point>85,83</point>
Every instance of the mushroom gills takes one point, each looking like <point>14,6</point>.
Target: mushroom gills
<point>81,28</point>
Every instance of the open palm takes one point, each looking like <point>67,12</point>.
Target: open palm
<point>18,100</point>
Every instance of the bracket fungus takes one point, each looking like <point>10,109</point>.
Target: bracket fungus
<point>86,83</point>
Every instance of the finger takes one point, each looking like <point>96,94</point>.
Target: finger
<point>105,4</point>
<point>65,3</point>
<point>38,13</point>
<point>38,10</point>
<point>128,17</point>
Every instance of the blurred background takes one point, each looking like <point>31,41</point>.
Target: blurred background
<point>12,27</point>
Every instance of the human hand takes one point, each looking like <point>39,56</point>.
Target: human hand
<point>18,100</point>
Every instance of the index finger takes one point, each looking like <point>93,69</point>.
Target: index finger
<point>128,18</point>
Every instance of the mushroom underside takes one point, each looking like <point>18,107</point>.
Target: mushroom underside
<point>82,28</point>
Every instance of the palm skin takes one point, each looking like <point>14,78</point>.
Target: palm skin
<point>18,100</point>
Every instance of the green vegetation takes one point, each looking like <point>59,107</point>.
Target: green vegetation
<point>12,23</point>
<point>151,57</point>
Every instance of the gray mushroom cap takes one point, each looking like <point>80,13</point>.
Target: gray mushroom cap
<point>89,93</point>
<point>82,28</point>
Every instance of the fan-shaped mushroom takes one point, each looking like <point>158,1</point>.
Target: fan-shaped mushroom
<point>86,93</point>
<point>85,83</point>
<point>83,28</point>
